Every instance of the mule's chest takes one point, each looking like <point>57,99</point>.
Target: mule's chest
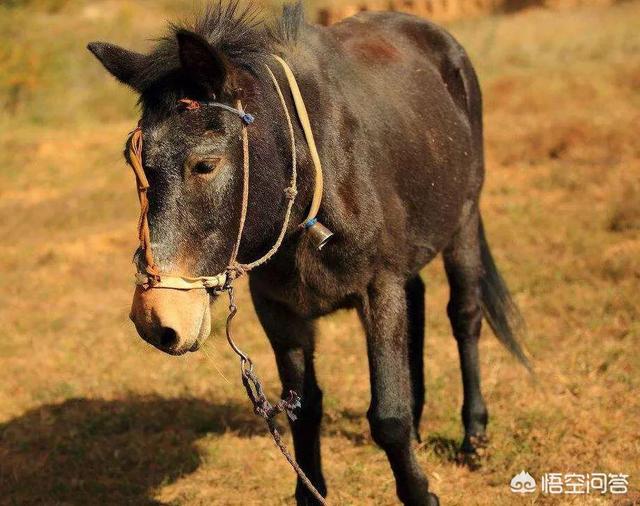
<point>313,287</point>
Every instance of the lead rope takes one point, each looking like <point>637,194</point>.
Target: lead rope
<point>261,405</point>
<point>252,384</point>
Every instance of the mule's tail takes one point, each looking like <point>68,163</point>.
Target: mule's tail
<point>499,308</point>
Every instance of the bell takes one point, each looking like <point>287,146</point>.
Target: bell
<point>318,234</point>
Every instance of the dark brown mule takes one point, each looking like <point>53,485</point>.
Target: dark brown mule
<point>396,110</point>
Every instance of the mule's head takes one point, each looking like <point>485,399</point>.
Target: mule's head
<point>193,160</point>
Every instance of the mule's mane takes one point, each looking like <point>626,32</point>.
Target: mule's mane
<point>233,30</point>
<point>240,33</point>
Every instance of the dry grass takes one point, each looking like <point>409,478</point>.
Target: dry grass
<point>91,415</point>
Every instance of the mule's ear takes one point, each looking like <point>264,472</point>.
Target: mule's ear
<point>202,63</point>
<point>123,64</point>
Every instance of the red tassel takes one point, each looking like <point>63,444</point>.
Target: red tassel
<point>189,105</point>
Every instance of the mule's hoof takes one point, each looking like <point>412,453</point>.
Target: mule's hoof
<point>308,500</point>
<point>305,498</point>
<point>433,500</point>
<point>473,451</point>
<point>425,500</point>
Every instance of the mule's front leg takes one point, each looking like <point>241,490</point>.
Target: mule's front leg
<point>384,315</point>
<point>292,339</point>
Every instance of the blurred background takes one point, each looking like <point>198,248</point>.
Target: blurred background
<point>89,414</point>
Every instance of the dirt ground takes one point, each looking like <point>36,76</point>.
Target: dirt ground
<point>89,414</point>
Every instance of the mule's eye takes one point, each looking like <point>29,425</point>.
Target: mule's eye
<point>208,166</point>
<point>204,168</point>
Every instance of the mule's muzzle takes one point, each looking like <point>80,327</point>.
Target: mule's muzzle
<point>173,321</point>
<point>165,339</point>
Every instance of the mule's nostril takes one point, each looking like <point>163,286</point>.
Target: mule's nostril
<point>168,337</point>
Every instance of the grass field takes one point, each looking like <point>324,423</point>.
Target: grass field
<point>89,414</point>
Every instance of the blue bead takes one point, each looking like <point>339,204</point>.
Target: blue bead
<point>248,119</point>
<point>310,223</point>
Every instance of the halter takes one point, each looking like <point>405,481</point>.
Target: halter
<point>151,277</point>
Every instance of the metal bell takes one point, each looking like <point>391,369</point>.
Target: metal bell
<point>318,233</point>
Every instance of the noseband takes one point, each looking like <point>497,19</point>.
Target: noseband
<point>151,277</point>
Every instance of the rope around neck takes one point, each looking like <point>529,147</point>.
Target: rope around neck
<point>303,115</point>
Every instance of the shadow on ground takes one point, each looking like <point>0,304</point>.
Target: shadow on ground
<point>353,426</point>
<point>446,448</point>
<point>109,452</point>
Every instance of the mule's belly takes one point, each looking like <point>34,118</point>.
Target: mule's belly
<point>435,195</point>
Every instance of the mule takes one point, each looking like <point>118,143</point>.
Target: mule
<point>396,110</point>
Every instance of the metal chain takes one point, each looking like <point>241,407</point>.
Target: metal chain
<point>261,405</point>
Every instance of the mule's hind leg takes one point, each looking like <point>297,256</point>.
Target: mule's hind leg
<point>292,340</point>
<point>414,290</point>
<point>463,264</point>
<point>383,311</point>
